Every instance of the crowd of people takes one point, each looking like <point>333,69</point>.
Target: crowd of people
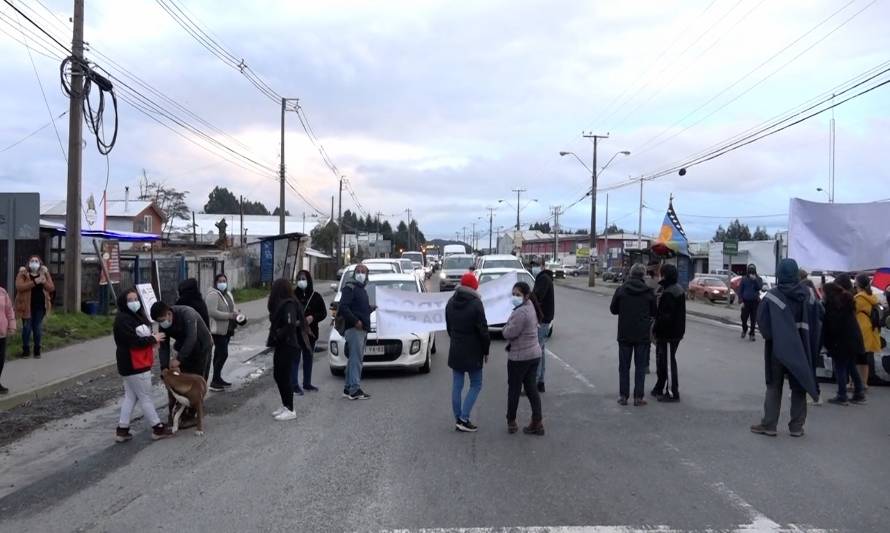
<point>794,319</point>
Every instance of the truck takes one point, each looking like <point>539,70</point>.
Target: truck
<point>451,249</point>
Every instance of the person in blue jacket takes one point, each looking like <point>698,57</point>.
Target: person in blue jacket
<point>787,317</point>
<point>355,308</point>
<point>749,296</point>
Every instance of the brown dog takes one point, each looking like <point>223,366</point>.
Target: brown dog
<point>186,390</point>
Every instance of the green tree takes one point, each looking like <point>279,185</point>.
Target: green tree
<point>614,229</point>
<point>255,208</point>
<point>170,201</point>
<point>221,201</point>
<point>736,231</point>
<point>278,210</point>
<point>582,231</point>
<point>324,237</point>
<point>760,234</point>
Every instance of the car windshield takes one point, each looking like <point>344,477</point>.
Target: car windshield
<point>406,265</point>
<point>416,265</point>
<point>400,285</point>
<point>502,263</point>
<point>521,276</point>
<point>714,283</point>
<point>455,263</point>
<point>413,256</point>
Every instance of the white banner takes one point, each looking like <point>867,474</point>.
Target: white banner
<point>840,237</point>
<point>147,295</point>
<point>401,312</point>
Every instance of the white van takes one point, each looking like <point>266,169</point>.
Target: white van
<point>451,249</point>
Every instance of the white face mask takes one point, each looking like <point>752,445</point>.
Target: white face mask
<point>361,277</point>
<point>134,305</point>
<point>165,323</point>
<point>302,284</point>
<point>536,270</point>
<point>34,265</point>
<point>517,300</point>
<point>222,286</point>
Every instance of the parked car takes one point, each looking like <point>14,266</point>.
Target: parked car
<point>453,267</point>
<point>405,351</point>
<point>768,283</point>
<point>615,274</point>
<point>710,288</point>
<point>559,271</point>
<point>395,262</point>
<point>576,270</point>
<point>499,261</point>
<point>491,274</point>
<point>373,268</point>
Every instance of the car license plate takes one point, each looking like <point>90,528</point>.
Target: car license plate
<point>375,350</point>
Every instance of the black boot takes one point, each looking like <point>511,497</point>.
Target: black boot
<point>37,352</point>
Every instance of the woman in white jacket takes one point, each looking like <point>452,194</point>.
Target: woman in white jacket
<point>222,313</point>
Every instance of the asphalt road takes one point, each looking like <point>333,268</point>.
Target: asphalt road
<point>395,462</point>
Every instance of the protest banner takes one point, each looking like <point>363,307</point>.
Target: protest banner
<point>401,313</point>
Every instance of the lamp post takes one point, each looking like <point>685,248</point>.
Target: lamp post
<point>827,193</point>
<point>591,280</point>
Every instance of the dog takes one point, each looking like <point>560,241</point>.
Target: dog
<point>185,390</point>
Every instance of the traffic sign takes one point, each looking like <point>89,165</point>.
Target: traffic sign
<point>730,247</point>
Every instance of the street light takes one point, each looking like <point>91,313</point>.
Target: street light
<point>828,194</point>
<point>591,280</point>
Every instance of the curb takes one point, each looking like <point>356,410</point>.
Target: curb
<point>698,314</point>
<point>43,391</point>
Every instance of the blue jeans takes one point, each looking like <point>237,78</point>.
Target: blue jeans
<point>542,340</point>
<point>844,369</point>
<point>463,411</point>
<point>33,325</point>
<point>355,352</point>
<point>306,355</point>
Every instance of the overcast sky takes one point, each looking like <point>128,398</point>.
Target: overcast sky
<point>445,107</point>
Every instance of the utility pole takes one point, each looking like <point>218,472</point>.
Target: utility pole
<point>281,173</point>
<point>490,226</point>
<point>831,159</point>
<point>606,232</point>
<point>640,223</point>
<point>304,221</point>
<point>518,192</point>
<point>75,135</point>
<point>241,226</point>
<point>464,228</point>
<point>340,226</point>
<point>591,279</point>
<point>556,210</point>
<point>408,211</point>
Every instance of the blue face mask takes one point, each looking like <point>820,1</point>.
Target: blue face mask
<point>134,305</point>
<point>222,286</point>
<point>517,300</point>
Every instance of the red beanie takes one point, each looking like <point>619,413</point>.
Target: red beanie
<point>469,280</point>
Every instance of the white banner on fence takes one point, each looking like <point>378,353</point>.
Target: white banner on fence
<point>842,237</point>
<point>147,295</point>
<point>402,313</point>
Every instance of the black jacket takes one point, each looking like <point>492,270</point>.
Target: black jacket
<point>468,329</point>
<point>190,295</point>
<point>670,319</point>
<point>125,324</point>
<point>193,343</point>
<point>544,294</point>
<point>354,305</point>
<point>841,335</point>
<point>634,303</point>
<point>313,305</point>
<point>287,327</point>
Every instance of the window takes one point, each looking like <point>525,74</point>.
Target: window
<point>146,224</point>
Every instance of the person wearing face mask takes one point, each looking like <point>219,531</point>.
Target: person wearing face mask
<point>315,311</point>
<point>222,314</point>
<point>135,356</point>
<point>355,308</point>
<point>545,296</point>
<point>749,295</point>
<point>33,301</point>
<point>523,358</point>
<point>7,327</point>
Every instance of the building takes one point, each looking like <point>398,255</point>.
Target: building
<point>130,216</point>
<point>572,249</point>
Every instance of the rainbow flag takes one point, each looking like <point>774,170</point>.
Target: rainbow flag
<point>671,239</point>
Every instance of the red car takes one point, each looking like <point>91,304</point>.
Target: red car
<point>712,289</point>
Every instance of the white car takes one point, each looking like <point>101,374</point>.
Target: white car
<point>382,261</point>
<point>373,268</point>
<point>491,274</point>
<point>499,261</point>
<point>405,351</point>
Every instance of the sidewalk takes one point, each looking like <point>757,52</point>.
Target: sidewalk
<point>29,379</point>
<point>719,312</point>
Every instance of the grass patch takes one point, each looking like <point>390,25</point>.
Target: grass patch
<point>250,294</point>
<point>63,329</point>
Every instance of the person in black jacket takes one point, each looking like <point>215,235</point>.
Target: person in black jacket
<point>842,338</point>
<point>135,354</point>
<point>315,311</point>
<point>190,295</point>
<point>544,294</point>
<point>288,335</point>
<point>670,326</point>
<point>355,308</point>
<point>634,303</point>
<point>193,344</point>
<point>470,342</point>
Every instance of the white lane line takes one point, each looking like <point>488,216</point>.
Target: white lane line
<point>557,529</point>
<point>578,375</point>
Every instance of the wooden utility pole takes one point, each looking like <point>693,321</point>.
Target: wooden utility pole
<point>340,226</point>
<point>241,225</point>
<point>281,173</point>
<point>75,138</point>
<point>591,279</point>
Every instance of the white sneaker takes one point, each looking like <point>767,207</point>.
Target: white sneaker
<point>287,414</point>
<point>279,411</point>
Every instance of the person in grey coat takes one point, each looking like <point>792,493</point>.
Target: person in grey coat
<point>222,313</point>
<point>523,357</point>
<point>786,317</point>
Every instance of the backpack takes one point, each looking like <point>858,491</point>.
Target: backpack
<point>875,316</point>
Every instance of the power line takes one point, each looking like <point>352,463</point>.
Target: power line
<point>646,146</point>
<point>38,26</point>
<point>33,133</point>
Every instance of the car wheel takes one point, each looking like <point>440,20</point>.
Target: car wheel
<point>339,372</point>
<point>433,350</point>
<point>425,368</point>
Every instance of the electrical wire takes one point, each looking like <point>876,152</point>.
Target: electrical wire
<point>33,133</point>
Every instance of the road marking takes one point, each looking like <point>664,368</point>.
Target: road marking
<point>766,527</point>
<point>578,375</point>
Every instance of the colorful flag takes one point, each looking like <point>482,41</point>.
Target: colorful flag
<point>671,239</point>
